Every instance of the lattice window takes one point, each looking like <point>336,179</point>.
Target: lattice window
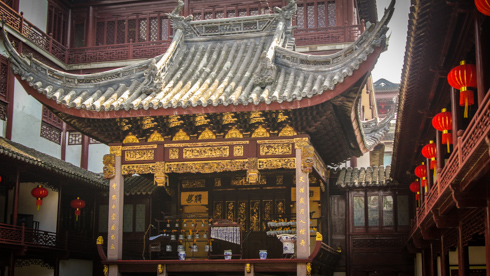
<point>57,22</point>
<point>3,78</point>
<point>3,110</point>
<point>99,37</point>
<point>110,30</point>
<point>51,133</point>
<point>219,14</point>
<point>143,27</point>
<point>254,11</point>
<point>310,9</point>
<point>300,17</point>
<point>332,17</point>
<point>197,16</point>
<point>51,119</point>
<point>121,31</point>
<point>321,15</point>
<point>74,138</point>
<point>208,15</point>
<point>153,29</point>
<point>230,14</point>
<point>242,12</point>
<point>165,28</point>
<point>132,30</point>
<point>9,3</point>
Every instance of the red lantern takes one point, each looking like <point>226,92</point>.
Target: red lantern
<point>415,186</point>
<point>483,6</point>
<point>421,171</point>
<point>39,192</point>
<point>429,151</point>
<point>444,122</point>
<point>77,204</point>
<point>461,77</point>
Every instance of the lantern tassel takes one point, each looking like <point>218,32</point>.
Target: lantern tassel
<point>465,108</point>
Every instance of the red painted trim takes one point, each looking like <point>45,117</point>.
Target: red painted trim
<point>305,102</point>
<point>84,157</point>
<point>10,99</point>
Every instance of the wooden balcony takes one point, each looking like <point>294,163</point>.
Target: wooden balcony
<point>21,239</point>
<point>468,162</point>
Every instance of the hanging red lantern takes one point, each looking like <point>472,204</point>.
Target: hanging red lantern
<point>461,77</point>
<point>39,192</point>
<point>430,151</point>
<point>421,171</point>
<point>77,204</point>
<point>483,6</point>
<point>415,186</point>
<point>443,122</point>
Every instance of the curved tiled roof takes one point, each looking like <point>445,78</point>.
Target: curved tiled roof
<point>363,177</point>
<point>33,157</point>
<point>139,185</point>
<point>233,61</point>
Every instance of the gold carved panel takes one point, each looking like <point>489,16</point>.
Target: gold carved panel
<point>242,213</point>
<point>217,182</point>
<point>109,166</point>
<point>173,153</point>
<point>138,169</point>
<point>276,149</point>
<point>218,210</point>
<point>207,166</point>
<point>193,183</point>
<point>238,151</point>
<point>277,163</point>
<point>206,152</point>
<point>280,206</point>
<point>116,150</point>
<point>255,215</point>
<point>139,155</point>
<point>243,181</point>
<point>267,213</point>
<point>230,210</point>
<point>194,198</point>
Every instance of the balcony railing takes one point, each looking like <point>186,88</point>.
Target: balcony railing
<point>29,237</point>
<point>466,153</point>
<point>149,49</point>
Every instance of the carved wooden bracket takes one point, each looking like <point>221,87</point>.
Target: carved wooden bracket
<point>430,234</point>
<point>109,164</point>
<point>445,221</point>
<point>463,201</point>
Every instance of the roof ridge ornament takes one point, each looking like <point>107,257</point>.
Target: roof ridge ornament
<point>180,22</point>
<point>287,12</point>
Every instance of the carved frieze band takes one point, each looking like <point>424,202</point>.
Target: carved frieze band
<point>206,152</point>
<point>207,166</point>
<point>206,144</point>
<point>116,150</point>
<point>138,169</point>
<point>276,163</point>
<point>276,149</point>
<point>139,155</point>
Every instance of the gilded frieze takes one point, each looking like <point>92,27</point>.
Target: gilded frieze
<point>256,117</point>
<point>260,132</point>
<point>207,134</point>
<point>204,144</point>
<point>243,181</point>
<point>301,142</point>
<point>139,155</point>
<point>181,136</point>
<point>238,151</point>
<point>287,131</point>
<point>206,152</point>
<point>307,153</point>
<point>155,137</point>
<point>124,124</point>
<point>233,133</point>
<point>277,163</point>
<point>142,147</point>
<point>160,177</point>
<point>279,141</point>
<point>147,122</point>
<point>228,118</point>
<point>138,169</point>
<point>207,166</point>
<point>130,138</point>
<point>200,120</point>
<point>193,183</point>
<point>281,117</point>
<point>116,150</point>
<point>276,149</point>
<point>109,163</point>
<point>174,120</point>
<point>173,154</point>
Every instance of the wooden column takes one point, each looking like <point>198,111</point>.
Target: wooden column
<point>463,262</point>
<point>116,207</point>
<point>91,31</point>
<point>428,174</point>
<point>16,198</point>
<point>487,231</point>
<point>443,260</point>
<point>63,141</point>
<point>302,206</point>
<point>432,257</point>
<point>480,81</point>
<point>84,155</point>
<point>455,114</point>
<point>440,148</point>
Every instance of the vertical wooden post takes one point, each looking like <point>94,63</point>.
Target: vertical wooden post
<point>487,231</point>
<point>443,260</point>
<point>302,205</point>
<point>463,263</point>
<point>480,81</point>
<point>439,150</point>
<point>63,141</point>
<point>116,207</point>
<point>90,39</point>
<point>16,198</point>
<point>84,156</point>
<point>455,114</point>
<point>432,254</point>
<point>428,174</point>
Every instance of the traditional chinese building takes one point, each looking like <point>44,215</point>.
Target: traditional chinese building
<point>225,135</point>
<point>450,229</point>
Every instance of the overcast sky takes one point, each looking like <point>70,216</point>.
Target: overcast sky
<point>390,63</point>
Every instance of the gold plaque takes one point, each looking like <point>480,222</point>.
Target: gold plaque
<point>139,155</point>
<point>194,198</point>
<point>206,152</point>
<point>276,149</point>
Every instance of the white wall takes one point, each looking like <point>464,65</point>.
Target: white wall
<point>73,153</point>
<point>47,213</point>
<point>35,12</point>
<point>476,256</point>
<point>363,161</point>
<point>418,264</point>
<point>95,156</point>
<point>74,267</point>
<point>33,270</point>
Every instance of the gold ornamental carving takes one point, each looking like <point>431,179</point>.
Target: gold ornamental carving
<point>281,117</point>
<point>301,142</point>
<point>193,183</point>
<point>233,133</point>
<point>307,154</point>
<point>100,240</point>
<point>238,151</point>
<point>228,118</point>
<point>276,163</point>
<point>256,117</point>
<point>180,136</point>
<point>124,124</point>
<point>260,132</point>
<point>287,131</point>
<point>147,122</point>
<point>204,144</point>
<point>206,152</point>
<point>279,179</point>
<point>142,147</point>
<point>138,169</point>
<point>109,161</point>
<point>174,120</point>
<point>130,138</point>
<point>173,153</point>
<point>159,177</point>
<point>276,149</point>
<point>279,141</point>
<point>207,134</point>
<point>242,181</point>
<point>253,175</point>
<point>139,155</point>
<point>155,137</point>
<point>207,166</point>
<point>217,182</point>
<point>200,120</point>
<point>116,150</point>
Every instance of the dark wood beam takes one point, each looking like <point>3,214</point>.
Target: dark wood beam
<point>445,221</point>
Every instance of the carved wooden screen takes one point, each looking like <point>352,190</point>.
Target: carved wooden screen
<point>4,87</point>
<point>316,14</point>
<point>204,11</point>
<point>57,21</point>
<point>51,126</point>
